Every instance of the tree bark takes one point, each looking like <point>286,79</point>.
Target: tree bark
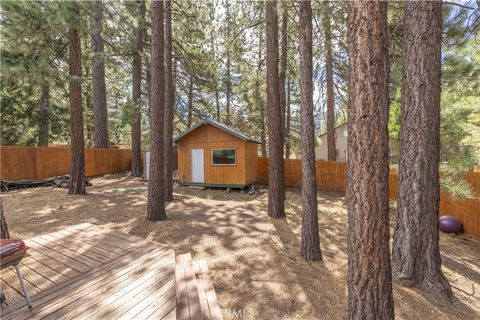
<point>100,114</point>
<point>168,103</point>
<point>287,124</point>
<point>44,115</point>
<point>282,99</point>
<point>369,270</point>
<point>77,176</point>
<point>276,183</point>
<point>332,153</point>
<point>136,129</point>
<point>416,252</point>
<point>4,234</point>
<point>228,75</point>
<point>310,246</point>
<point>190,103</point>
<point>156,184</point>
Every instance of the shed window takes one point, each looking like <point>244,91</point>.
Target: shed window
<point>224,157</point>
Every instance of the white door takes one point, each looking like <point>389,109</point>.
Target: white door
<point>197,165</point>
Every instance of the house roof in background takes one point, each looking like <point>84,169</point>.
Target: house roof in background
<point>339,126</point>
<point>220,126</point>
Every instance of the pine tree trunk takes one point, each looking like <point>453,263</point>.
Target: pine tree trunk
<point>156,184</point>
<point>4,234</point>
<point>100,114</point>
<point>369,269</point>
<point>416,252</point>
<point>190,103</point>
<point>332,153</point>
<point>136,129</point>
<point>283,69</point>
<point>287,124</point>
<point>276,184</point>
<point>310,246</point>
<point>168,103</point>
<point>44,115</point>
<point>77,176</point>
<point>228,75</point>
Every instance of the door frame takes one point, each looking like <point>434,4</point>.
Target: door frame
<point>191,165</point>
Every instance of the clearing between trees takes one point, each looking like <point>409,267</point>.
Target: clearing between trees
<point>253,259</point>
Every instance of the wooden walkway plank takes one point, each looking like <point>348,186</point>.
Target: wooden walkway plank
<point>49,273</point>
<point>98,241</point>
<point>152,302</point>
<point>201,290</point>
<point>128,290</point>
<point>10,276</point>
<point>72,263</point>
<point>215,312</point>
<point>139,256</point>
<point>187,286</point>
<point>11,294</point>
<point>168,309</point>
<point>58,266</point>
<point>78,256</point>
<point>181,289</point>
<point>67,295</point>
<point>78,248</point>
<point>71,238</point>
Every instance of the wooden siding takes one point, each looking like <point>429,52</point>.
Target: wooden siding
<point>332,176</point>
<point>17,163</point>
<point>208,138</point>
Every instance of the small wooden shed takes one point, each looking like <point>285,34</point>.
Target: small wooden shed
<point>215,155</point>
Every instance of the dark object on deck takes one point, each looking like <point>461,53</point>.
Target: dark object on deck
<point>450,224</point>
<point>58,181</point>
<point>11,253</point>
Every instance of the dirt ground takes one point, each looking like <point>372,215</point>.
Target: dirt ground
<point>253,259</point>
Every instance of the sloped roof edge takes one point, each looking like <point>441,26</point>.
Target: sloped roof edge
<point>220,126</point>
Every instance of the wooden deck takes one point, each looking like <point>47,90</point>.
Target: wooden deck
<point>89,272</point>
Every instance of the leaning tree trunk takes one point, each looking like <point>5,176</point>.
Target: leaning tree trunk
<point>276,189</point>
<point>100,115</point>
<point>168,137</point>
<point>416,252</point>
<point>332,153</point>
<point>156,184</point>
<point>44,115</point>
<point>310,246</point>
<point>136,129</point>
<point>369,270</point>
<point>4,234</point>
<point>77,178</point>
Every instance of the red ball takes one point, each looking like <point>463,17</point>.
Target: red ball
<point>450,224</point>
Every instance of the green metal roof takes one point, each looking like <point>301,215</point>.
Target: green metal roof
<point>220,126</point>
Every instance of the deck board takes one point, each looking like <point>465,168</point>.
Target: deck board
<point>72,273</point>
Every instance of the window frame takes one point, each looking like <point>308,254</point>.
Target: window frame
<point>221,164</point>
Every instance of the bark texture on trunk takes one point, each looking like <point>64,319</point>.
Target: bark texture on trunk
<point>44,115</point>
<point>156,184</point>
<point>369,269</point>
<point>190,103</point>
<point>4,234</point>
<point>332,153</point>
<point>416,252</point>
<point>77,175</point>
<point>282,99</point>
<point>136,129</point>
<point>276,184</point>
<point>168,137</point>
<point>100,114</point>
<point>287,123</point>
<point>310,246</point>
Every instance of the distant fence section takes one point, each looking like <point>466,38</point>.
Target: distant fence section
<point>332,176</point>
<point>17,163</point>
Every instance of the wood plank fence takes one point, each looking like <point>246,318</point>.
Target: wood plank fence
<point>17,163</point>
<point>332,176</point>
